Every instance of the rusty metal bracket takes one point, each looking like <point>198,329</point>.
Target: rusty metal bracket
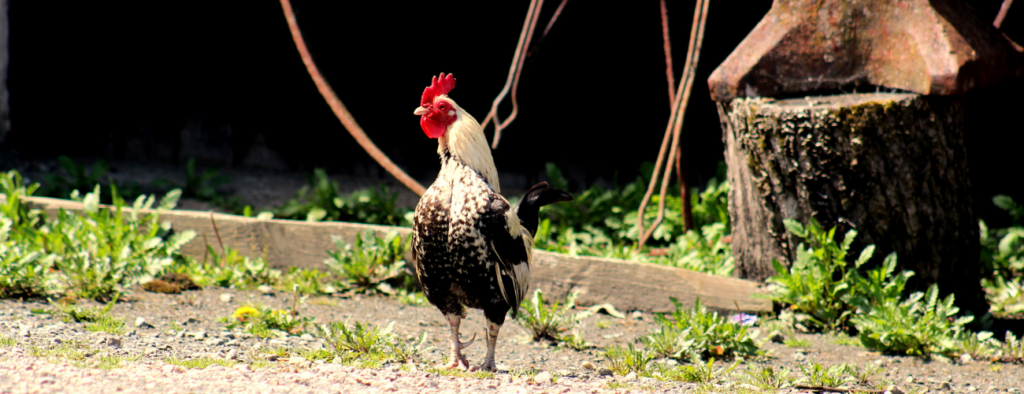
<point>936,47</point>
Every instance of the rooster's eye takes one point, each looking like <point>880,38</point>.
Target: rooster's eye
<point>441,107</point>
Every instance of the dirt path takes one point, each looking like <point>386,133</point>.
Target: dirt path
<point>186,326</point>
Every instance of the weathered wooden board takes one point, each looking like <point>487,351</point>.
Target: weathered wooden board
<point>626,285</point>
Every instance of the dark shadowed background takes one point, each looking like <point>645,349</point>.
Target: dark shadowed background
<point>221,81</point>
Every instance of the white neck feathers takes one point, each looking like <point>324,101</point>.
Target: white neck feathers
<point>465,142</point>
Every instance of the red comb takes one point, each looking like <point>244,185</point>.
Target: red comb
<point>438,85</point>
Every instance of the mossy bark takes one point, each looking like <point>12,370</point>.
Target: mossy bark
<point>892,166</point>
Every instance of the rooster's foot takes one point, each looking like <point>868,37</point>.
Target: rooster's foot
<point>486,366</point>
<point>458,362</point>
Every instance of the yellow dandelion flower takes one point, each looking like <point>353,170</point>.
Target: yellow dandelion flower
<point>245,312</point>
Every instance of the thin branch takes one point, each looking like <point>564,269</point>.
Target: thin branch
<point>676,119</point>
<point>657,165</point>
<point>1002,13</point>
<point>223,252</point>
<point>512,82</point>
<point>339,109</point>
<point>669,70</point>
<point>558,12</point>
<point>670,74</point>
<point>684,193</point>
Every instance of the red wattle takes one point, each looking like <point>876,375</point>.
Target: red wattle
<point>431,127</point>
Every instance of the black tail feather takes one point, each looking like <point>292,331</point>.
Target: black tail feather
<point>541,194</point>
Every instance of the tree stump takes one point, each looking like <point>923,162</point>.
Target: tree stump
<point>892,166</point>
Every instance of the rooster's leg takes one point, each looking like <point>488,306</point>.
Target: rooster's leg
<point>457,359</point>
<point>492,341</point>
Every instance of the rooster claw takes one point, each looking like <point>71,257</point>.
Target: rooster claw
<point>463,345</point>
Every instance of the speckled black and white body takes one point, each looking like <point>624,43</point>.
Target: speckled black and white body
<point>465,248</point>
<point>469,247</point>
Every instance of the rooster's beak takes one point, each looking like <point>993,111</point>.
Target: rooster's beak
<point>421,111</point>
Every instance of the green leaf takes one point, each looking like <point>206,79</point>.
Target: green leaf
<point>848,239</point>
<point>316,214</point>
<point>866,254</point>
<point>1004,202</point>
<point>92,201</point>
<point>795,228</point>
<point>170,200</point>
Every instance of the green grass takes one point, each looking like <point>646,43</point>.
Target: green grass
<point>864,375</point>
<point>6,341</point>
<point>798,343</point>
<point>277,351</point>
<point>72,351</point>
<point>769,379</point>
<point>318,354</point>
<point>200,363</point>
<point>261,363</point>
<point>702,373</point>
<point>458,373</point>
<point>108,324</point>
<point>616,385</point>
<point>817,375</point>
<point>625,359</point>
<point>845,340</point>
<point>111,362</point>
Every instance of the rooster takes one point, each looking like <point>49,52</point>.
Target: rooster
<point>471,248</point>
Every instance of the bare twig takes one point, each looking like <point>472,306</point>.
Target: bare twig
<point>223,252</point>
<point>684,193</point>
<point>670,75</point>
<point>1002,13</point>
<point>512,82</point>
<point>339,109</point>
<point>206,250</point>
<point>558,12</point>
<point>669,70</point>
<point>675,121</point>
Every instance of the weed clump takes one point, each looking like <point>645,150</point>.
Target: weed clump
<point>321,200</point>
<point>371,265</point>
<point>369,345</point>
<point>550,322</point>
<point>695,332</point>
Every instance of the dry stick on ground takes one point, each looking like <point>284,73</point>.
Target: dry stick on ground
<point>670,74</point>
<point>675,122</point>
<point>1002,13</point>
<point>839,390</point>
<point>512,82</point>
<point>339,109</point>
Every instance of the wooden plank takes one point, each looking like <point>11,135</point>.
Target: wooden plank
<point>626,285</point>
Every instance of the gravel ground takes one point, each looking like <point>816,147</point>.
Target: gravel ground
<point>186,326</point>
